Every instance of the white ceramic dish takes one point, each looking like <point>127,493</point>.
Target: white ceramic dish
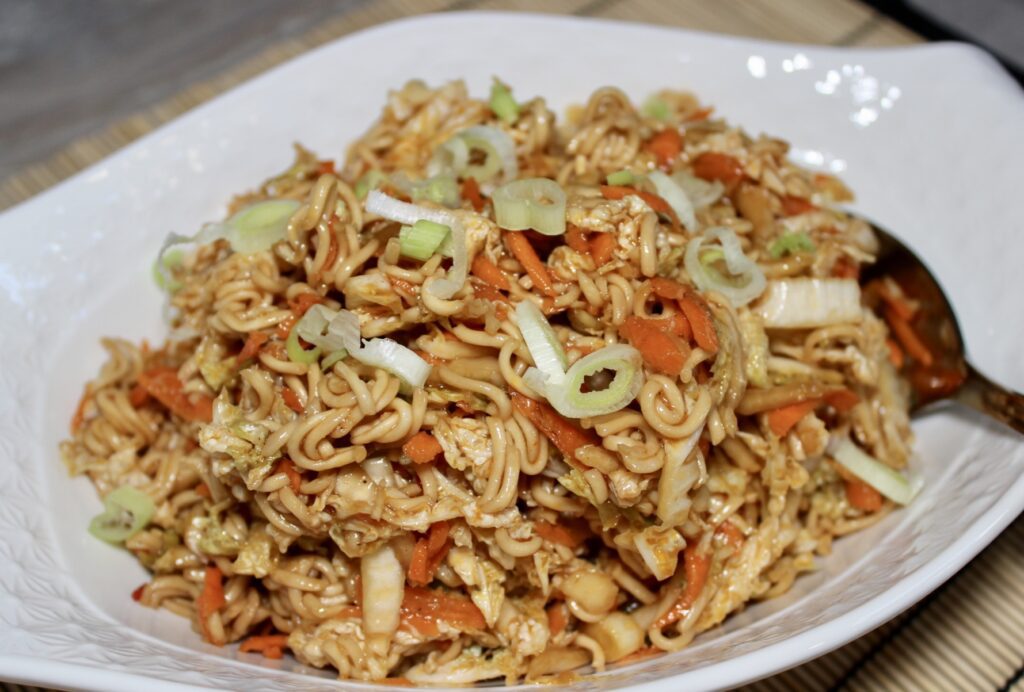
<point>927,136</point>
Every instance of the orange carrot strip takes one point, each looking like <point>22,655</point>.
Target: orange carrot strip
<point>270,645</point>
<point>79,416</point>
<point>428,554</point>
<point>733,536</point>
<point>253,343</point>
<point>576,238</point>
<point>781,420</point>
<point>520,247</point>
<point>203,490</point>
<point>908,338</point>
<point>701,114</point>
<point>164,386</point>
<point>422,448</point>
<point>418,573</point>
<point>137,593</point>
<point>893,298</point>
<point>291,400</point>
<point>488,272</point>
<point>602,247</point>
<point>862,496</point>
<point>712,165</point>
<point>842,400</point>
<point>641,655</point>
<point>287,467</point>
<point>325,167</point>
<point>471,192</point>
<point>138,396</point>
<point>398,682</point>
<point>791,205</point>
<point>565,434</point>
<point>655,202</point>
<point>665,146</point>
<point>667,288</point>
<point>569,535</point>
<point>300,304</point>
<point>333,248</point>
<point>701,322</point>
<point>558,619</point>
<point>403,286</point>
<point>661,350</point>
<point>895,353</point>
<point>422,608</point>
<point>696,570</point>
<point>211,598</point>
<point>845,268</point>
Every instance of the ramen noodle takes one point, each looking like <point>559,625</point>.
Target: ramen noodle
<point>503,397</point>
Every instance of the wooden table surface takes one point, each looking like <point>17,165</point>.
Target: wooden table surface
<point>81,79</point>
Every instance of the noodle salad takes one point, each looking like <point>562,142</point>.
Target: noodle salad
<point>504,397</point>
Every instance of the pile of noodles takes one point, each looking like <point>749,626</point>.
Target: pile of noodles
<point>289,512</point>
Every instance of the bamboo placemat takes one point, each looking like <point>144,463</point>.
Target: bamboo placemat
<point>969,634</point>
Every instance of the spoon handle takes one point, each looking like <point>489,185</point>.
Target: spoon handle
<point>986,396</point>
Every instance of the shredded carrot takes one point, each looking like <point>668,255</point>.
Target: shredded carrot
<point>895,353</point>
<point>704,444</point>
<point>291,400</point>
<point>398,682</point>
<point>908,338</point>
<point>164,386</point>
<point>576,238</point>
<point>665,146</point>
<point>300,304</point>
<point>333,248</point>
<point>422,608</point>
<point>138,396</point>
<point>565,434</point>
<point>428,554</point>
<point>203,490</point>
<point>558,618</point>
<point>641,655</point>
<point>701,322</point>
<point>521,249</point>
<point>430,358</point>
<point>488,272</point>
<point>492,295</point>
<point>403,286</point>
<point>471,192</point>
<point>602,247</point>
<point>842,400</point>
<point>270,645</point>
<point>695,567</point>
<point>253,343</point>
<point>862,496</point>
<point>701,114</point>
<point>781,420</point>
<point>284,327</point>
<point>655,202</point>
<point>733,536</point>
<point>287,467</point>
<point>791,205</point>
<point>890,292</point>
<point>668,289</point>
<point>570,535</point>
<point>663,351</point>
<point>211,598</point>
<point>422,448</point>
<point>845,268</point>
<point>137,593</point>
<point>79,416</point>
<point>712,165</point>
<point>325,167</point>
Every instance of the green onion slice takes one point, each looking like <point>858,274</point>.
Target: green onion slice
<point>422,239</point>
<point>296,353</point>
<point>656,108</point>
<point>622,360</point>
<point>745,280</point>
<point>454,156</point>
<point>536,203</point>
<point>502,103</point>
<point>790,243</point>
<point>332,358</point>
<point>676,197</point>
<point>162,267</point>
<point>542,342</point>
<point>259,226</point>
<point>127,510</point>
<point>890,482</point>
<point>622,177</point>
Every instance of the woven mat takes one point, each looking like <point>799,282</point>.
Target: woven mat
<point>969,634</point>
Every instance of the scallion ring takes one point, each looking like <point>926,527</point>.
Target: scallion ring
<point>537,203</point>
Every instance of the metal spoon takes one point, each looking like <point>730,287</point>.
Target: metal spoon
<point>949,375</point>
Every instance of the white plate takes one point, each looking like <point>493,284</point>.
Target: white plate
<point>927,136</point>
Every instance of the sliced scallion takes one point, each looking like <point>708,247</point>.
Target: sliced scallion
<point>656,108</point>
<point>126,511</point>
<point>370,180</point>
<point>888,481</point>
<point>621,178</point>
<point>296,353</point>
<point>536,203</point>
<point>259,226</point>
<point>332,358</point>
<point>626,366</point>
<point>790,243</point>
<point>541,340</point>
<point>502,103</point>
<point>422,239</point>
<point>162,267</point>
